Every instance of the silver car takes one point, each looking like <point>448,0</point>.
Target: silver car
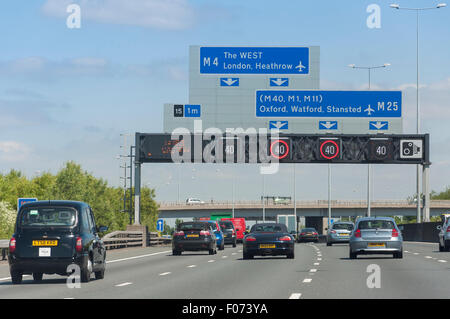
<point>444,235</point>
<point>339,232</point>
<point>376,235</point>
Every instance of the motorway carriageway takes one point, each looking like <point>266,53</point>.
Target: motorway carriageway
<point>317,271</point>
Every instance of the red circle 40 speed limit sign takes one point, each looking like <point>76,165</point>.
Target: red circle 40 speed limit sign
<point>279,149</point>
<point>329,149</point>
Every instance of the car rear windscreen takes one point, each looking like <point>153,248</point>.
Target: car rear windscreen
<point>376,224</point>
<point>48,217</point>
<point>343,226</point>
<point>276,228</point>
<point>308,230</point>
<point>192,226</point>
<point>226,225</point>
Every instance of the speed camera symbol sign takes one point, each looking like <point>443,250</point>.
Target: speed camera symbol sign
<point>279,149</point>
<point>411,149</point>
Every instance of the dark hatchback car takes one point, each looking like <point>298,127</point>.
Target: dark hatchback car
<point>194,236</point>
<point>268,239</point>
<point>308,234</point>
<point>51,235</point>
<point>229,232</point>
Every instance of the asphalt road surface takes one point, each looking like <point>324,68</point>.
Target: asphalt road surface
<point>317,271</point>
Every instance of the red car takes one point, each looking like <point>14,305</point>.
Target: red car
<point>239,225</point>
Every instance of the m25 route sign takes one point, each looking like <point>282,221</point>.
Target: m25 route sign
<point>315,103</point>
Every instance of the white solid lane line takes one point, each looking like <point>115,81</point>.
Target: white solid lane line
<point>295,296</point>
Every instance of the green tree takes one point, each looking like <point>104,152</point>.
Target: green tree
<point>7,220</point>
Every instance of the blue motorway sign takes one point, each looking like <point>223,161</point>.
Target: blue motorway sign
<point>278,125</point>
<point>21,201</point>
<point>279,81</point>
<point>160,225</point>
<point>254,60</point>
<point>378,125</point>
<point>328,125</point>
<point>229,81</point>
<point>192,110</point>
<point>314,103</point>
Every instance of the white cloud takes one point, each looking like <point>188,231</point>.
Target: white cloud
<point>159,14</point>
<point>11,151</point>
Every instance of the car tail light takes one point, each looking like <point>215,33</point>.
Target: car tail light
<point>250,238</point>
<point>12,245</point>
<point>285,238</point>
<point>448,229</point>
<point>302,234</point>
<point>205,233</point>
<point>314,233</point>
<point>394,233</point>
<point>179,233</point>
<point>333,232</point>
<point>79,245</point>
<point>358,233</point>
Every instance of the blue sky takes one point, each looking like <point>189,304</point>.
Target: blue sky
<point>68,94</point>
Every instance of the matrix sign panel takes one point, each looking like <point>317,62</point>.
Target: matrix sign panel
<point>286,103</point>
<point>283,148</point>
<point>254,60</point>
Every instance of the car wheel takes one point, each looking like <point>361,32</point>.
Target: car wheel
<point>16,277</point>
<point>211,251</point>
<point>352,255</point>
<point>329,244</point>
<point>234,244</point>
<point>398,255</point>
<point>176,252</point>
<point>441,248</point>
<point>291,255</point>
<point>100,274</point>
<point>247,256</point>
<point>37,276</point>
<point>222,247</point>
<point>446,248</point>
<point>86,270</point>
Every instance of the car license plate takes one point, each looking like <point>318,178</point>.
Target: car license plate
<point>376,245</point>
<point>45,251</point>
<point>267,246</point>
<point>46,243</point>
<point>343,234</point>
<point>192,236</point>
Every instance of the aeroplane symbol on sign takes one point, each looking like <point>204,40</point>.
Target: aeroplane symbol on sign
<point>369,110</point>
<point>300,66</point>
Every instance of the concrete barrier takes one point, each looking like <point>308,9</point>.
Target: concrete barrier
<point>425,232</point>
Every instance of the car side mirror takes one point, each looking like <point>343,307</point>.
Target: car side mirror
<point>102,229</point>
<point>438,227</point>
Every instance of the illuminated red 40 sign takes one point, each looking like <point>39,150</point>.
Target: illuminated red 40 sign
<point>279,148</point>
<point>330,148</point>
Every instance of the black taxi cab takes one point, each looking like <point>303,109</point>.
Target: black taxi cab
<point>52,235</point>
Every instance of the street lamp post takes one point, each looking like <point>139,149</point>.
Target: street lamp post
<point>369,166</point>
<point>417,10</point>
